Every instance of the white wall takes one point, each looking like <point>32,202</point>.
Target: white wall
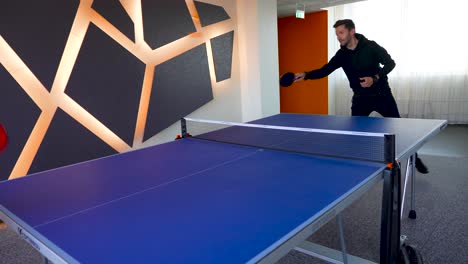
<point>332,49</point>
<point>269,61</point>
<point>252,91</point>
<point>258,48</point>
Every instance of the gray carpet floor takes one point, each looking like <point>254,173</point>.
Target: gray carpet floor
<point>440,232</point>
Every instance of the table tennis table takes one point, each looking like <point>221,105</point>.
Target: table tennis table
<point>194,200</point>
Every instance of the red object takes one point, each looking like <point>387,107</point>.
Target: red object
<point>178,137</point>
<point>3,138</point>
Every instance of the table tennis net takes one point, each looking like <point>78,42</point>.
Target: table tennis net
<point>376,147</point>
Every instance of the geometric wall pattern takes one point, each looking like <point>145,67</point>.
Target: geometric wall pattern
<point>76,137</point>
<point>18,113</point>
<point>115,13</point>
<point>39,39</point>
<point>82,79</point>
<point>106,80</point>
<point>222,55</point>
<point>210,14</point>
<point>165,21</point>
<point>181,92</point>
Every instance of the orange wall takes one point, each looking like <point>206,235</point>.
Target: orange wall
<point>303,46</point>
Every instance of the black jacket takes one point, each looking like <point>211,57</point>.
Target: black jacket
<point>363,61</point>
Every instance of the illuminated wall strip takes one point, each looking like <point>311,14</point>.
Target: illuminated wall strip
<point>187,43</point>
<point>32,145</point>
<point>144,104</point>
<point>23,75</point>
<point>194,13</point>
<point>70,54</point>
<point>93,124</point>
<point>211,66</point>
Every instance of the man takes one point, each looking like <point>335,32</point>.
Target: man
<point>360,59</point>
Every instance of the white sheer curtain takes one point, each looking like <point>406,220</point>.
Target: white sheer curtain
<point>428,41</point>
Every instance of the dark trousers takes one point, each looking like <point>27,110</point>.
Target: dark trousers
<point>384,104</point>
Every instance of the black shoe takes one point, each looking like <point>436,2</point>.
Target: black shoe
<point>420,166</point>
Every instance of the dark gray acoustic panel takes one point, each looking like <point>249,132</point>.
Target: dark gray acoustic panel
<point>180,86</point>
<point>210,14</point>
<point>165,21</point>
<point>18,114</point>
<point>107,82</point>
<point>68,142</point>
<point>222,55</point>
<point>37,31</point>
<point>115,13</point>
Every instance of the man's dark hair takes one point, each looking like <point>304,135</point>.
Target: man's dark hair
<point>348,23</point>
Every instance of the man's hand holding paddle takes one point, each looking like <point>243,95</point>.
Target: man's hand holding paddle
<point>289,78</point>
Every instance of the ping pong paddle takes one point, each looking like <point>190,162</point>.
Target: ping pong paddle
<point>287,79</point>
<point>3,138</point>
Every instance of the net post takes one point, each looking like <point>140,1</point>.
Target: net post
<point>183,127</point>
<point>389,148</point>
<point>391,205</point>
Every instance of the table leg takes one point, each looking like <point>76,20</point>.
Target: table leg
<point>339,220</point>
<point>407,175</point>
<point>412,213</point>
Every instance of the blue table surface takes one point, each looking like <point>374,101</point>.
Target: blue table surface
<point>188,201</point>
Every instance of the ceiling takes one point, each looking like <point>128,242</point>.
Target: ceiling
<point>288,7</point>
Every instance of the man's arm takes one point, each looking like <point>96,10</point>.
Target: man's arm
<point>385,59</point>
<point>326,69</point>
